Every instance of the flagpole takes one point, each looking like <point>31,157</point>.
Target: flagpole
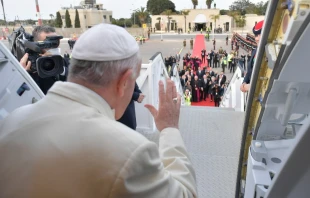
<point>38,13</point>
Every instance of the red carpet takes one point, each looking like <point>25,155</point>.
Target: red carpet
<point>199,44</point>
<point>203,103</point>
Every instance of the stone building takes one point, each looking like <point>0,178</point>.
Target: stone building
<point>90,15</point>
<point>198,19</point>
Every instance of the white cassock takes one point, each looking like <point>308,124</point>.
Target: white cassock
<point>68,145</point>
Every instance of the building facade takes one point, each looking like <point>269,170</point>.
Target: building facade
<point>89,15</point>
<point>198,19</point>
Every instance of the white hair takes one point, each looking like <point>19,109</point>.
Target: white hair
<point>103,72</point>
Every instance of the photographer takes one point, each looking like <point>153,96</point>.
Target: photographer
<point>40,33</point>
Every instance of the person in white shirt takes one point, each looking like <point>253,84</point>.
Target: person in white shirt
<point>69,143</point>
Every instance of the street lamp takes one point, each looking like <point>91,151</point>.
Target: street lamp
<point>161,28</point>
<point>134,17</point>
<point>134,14</point>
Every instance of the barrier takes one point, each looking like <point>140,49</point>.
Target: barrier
<point>148,80</point>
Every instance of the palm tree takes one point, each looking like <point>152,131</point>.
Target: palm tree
<point>168,13</point>
<point>159,20</point>
<point>142,14</point>
<point>215,17</point>
<point>185,13</point>
<point>209,2</point>
<point>240,20</point>
<point>52,16</point>
<point>234,15</point>
<point>195,3</point>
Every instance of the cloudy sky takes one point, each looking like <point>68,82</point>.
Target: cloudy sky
<point>26,9</point>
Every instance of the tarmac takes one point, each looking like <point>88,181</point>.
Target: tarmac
<point>169,45</point>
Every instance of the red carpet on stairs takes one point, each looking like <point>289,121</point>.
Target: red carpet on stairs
<point>199,45</point>
<point>203,103</point>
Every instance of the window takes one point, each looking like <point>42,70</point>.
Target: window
<point>104,16</point>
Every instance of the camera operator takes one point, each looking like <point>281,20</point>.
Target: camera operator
<point>39,34</point>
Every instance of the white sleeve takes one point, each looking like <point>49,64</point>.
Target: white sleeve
<point>152,174</point>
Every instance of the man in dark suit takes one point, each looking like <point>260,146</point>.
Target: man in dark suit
<point>129,117</point>
<point>192,74</point>
<point>257,29</point>
<point>203,55</point>
<point>212,73</point>
<point>200,73</point>
<point>221,79</point>
<point>66,55</point>
<point>205,85</point>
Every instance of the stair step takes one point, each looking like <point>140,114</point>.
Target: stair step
<point>212,137</point>
<point>208,108</point>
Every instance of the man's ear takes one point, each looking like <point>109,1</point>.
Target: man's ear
<point>123,82</point>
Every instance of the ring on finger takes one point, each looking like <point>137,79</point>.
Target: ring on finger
<point>175,100</point>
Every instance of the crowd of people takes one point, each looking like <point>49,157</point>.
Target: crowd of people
<point>199,81</point>
<point>202,85</point>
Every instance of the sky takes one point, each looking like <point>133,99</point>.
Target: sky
<point>26,9</point>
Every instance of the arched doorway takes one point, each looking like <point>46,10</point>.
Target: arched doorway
<point>200,22</point>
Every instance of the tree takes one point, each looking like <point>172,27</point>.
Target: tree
<point>185,13</point>
<point>215,17</point>
<point>58,21</point>
<point>240,6</point>
<point>224,12</point>
<point>156,7</point>
<point>234,15</point>
<point>195,3</point>
<point>77,23</point>
<point>142,15</point>
<point>168,13</point>
<point>159,20</point>
<point>246,7</point>
<point>136,20</point>
<point>209,3</point>
<point>261,8</point>
<point>240,20</point>
<point>30,22</point>
<point>68,20</point>
<point>52,16</point>
<point>128,22</point>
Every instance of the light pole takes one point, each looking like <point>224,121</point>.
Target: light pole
<point>134,15</point>
<point>161,28</point>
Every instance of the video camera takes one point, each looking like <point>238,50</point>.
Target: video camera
<point>46,66</point>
